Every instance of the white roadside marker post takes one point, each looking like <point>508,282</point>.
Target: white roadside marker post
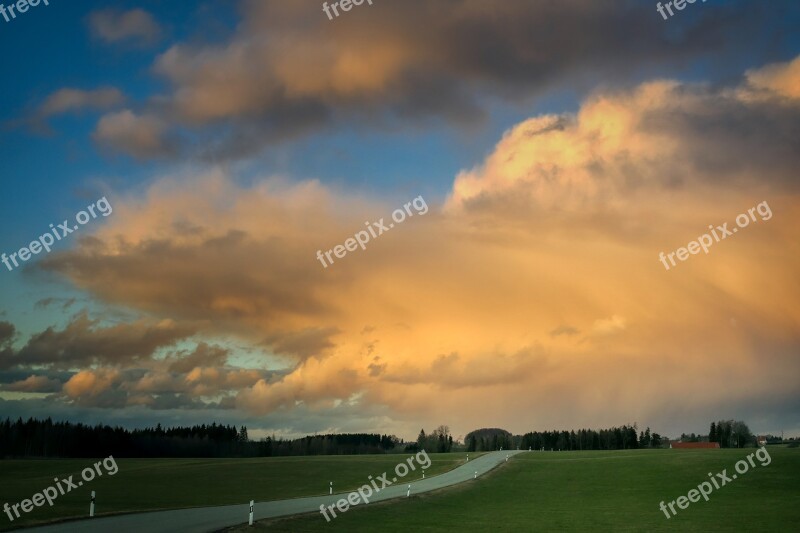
<point>409,491</point>
<point>250,521</point>
<point>506,457</point>
<point>476,475</point>
<point>331,487</point>
<point>423,474</point>
<point>467,457</point>
<point>91,506</point>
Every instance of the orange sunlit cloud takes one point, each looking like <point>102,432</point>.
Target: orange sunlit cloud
<point>534,292</point>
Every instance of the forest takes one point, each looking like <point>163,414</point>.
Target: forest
<point>45,438</point>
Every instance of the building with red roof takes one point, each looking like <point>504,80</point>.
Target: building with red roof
<point>709,445</point>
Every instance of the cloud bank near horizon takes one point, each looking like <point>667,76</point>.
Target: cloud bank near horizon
<point>533,293</point>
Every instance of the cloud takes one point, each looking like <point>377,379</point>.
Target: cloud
<point>230,228</point>
<point>90,383</point>
<point>33,384</point>
<point>779,78</point>
<point>47,302</point>
<point>450,372</point>
<point>135,27</point>
<point>302,344</point>
<point>202,356</point>
<point>376,65</point>
<point>376,370</point>
<point>569,331</point>
<point>608,326</point>
<point>84,342</point>
<point>630,144</point>
<point>123,365</point>
<point>141,136</point>
<point>122,370</point>
<point>70,99</point>
<point>313,383</point>
<point>7,333</point>
<point>557,231</point>
<point>211,381</point>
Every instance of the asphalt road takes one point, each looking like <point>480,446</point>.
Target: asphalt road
<point>207,519</point>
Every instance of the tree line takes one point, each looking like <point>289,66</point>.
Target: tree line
<point>616,438</point>
<point>440,441</point>
<point>338,444</point>
<point>730,434</point>
<point>45,438</point>
<point>487,439</point>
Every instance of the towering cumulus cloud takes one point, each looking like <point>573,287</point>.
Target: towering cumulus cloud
<point>536,279</point>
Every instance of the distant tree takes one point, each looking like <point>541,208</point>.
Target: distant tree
<point>243,434</point>
<point>742,435</point>
<point>733,433</point>
<point>725,433</point>
<point>630,436</point>
<point>442,439</point>
<point>712,433</point>
<point>656,440</point>
<point>647,438</point>
<point>422,439</point>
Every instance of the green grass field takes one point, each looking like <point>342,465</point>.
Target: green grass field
<point>149,484</point>
<point>590,491</point>
<point>534,491</point>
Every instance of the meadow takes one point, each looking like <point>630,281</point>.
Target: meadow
<point>151,484</point>
<point>608,490</point>
<point>590,491</point>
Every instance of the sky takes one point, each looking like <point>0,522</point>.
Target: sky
<point>197,160</point>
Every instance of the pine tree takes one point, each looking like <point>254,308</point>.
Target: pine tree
<point>656,440</point>
<point>712,433</point>
<point>421,439</point>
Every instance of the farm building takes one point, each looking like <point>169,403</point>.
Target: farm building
<point>710,445</point>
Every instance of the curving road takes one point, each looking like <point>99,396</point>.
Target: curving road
<point>207,519</point>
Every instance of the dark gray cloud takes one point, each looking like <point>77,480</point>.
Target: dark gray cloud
<point>84,342</point>
<point>202,356</point>
<point>569,331</point>
<point>164,267</point>
<point>378,64</point>
<point>303,421</point>
<point>93,365</point>
<point>302,344</point>
<point>47,302</point>
<point>10,376</point>
<point>7,333</point>
<point>33,383</point>
<point>727,138</point>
